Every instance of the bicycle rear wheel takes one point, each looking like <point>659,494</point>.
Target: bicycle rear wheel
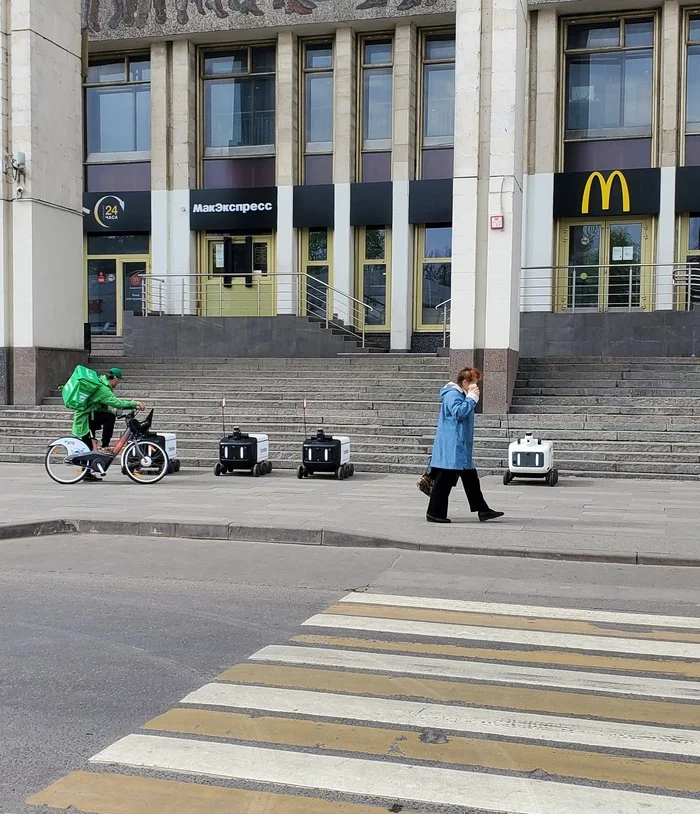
<point>145,462</point>
<point>57,468</point>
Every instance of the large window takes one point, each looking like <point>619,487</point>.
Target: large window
<point>373,274</point>
<point>692,91</point>
<point>318,112</point>
<point>438,107</point>
<point>118,123</point>
<point>609,105</point>
<point>377,110</point>
<point>239,116</point>
<point>434,274</point>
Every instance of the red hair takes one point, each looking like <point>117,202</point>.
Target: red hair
<point>470,375</point>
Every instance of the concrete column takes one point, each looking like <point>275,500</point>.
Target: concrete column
<point>489,181</point>
<point>666,241</point>
<point>5,217</point>
<point>173,173</point>
<point>44,223</point>
<point>403,168</point>
<point>468,116</point>
<point>287,121</point>
<point>539,253</point>
<point>670,55</point>
<point>345,95</point>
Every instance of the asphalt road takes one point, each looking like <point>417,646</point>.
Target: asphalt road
<point>100,634</point>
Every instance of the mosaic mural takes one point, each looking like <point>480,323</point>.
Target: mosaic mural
<point>107,19</point>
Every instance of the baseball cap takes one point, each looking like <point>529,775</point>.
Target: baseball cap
<point>115,373</point>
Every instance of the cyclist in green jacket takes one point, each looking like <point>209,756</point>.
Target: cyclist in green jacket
<point>97,411</point>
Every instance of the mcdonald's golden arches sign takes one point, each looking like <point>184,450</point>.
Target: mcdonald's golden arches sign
<point>606,193</point>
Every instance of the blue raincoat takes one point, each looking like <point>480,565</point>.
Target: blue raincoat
<point>454,439</point>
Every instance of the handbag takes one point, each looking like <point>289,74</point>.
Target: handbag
<point>426,482</point>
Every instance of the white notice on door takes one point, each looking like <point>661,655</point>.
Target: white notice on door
<point>628,253</point>
<point>617,253</point>
<point>219,255</point>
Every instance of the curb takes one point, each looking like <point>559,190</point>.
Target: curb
<point>324,537</point>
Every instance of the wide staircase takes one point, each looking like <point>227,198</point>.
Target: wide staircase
<point>386,403</point>
<point>613,417</point>
<point>629,418</point>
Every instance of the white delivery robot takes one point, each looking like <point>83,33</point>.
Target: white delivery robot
<point>530,457</point>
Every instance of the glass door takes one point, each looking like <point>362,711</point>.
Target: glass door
<point>239,294</point>
<point>103,302</point>
<point>583,279</point>
<point>603,267</point>
<point>134,285</point>
<point>624,272</point>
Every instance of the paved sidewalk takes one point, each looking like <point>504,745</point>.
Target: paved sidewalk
<point>624,521</point>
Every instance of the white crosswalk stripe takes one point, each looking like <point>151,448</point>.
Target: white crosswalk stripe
<point>367,777</point>
<point>435,630</point>
<point>430,702</point>
<point>549,728</point>
<point>481,671</point>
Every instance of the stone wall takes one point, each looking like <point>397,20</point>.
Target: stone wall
<point>125,19</point>
<point>661,333</point>
<point>4,376</point>
<point>38,371</point>
<point>278,337</point>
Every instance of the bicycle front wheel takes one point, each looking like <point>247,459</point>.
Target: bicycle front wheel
<point>145,462</point>
<point>57,468</point>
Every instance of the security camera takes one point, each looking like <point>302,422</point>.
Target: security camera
<point>20,191</point>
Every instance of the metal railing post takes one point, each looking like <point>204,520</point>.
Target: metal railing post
<point>444,326</point>
<point>221,296</point>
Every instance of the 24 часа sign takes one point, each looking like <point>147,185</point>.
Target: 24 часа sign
<point>117,212</point>
<point>607,193</point>
<point>230,209</point>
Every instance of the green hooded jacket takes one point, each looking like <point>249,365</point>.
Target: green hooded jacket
<point>102,400</point>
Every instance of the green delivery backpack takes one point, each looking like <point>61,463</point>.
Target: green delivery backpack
<point>78,389</point>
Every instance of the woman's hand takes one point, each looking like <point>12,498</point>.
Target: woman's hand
<point>474,388</point>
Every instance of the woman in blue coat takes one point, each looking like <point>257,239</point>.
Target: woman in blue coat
<point>452,456</point>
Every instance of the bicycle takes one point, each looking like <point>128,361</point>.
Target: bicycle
<point>69,460</point>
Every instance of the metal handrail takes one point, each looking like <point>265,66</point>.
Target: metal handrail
<point>446,305</point>
<point>625,288</point>
<point>318,292</point>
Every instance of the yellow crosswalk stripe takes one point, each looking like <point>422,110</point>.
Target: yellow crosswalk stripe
<point>443,748</point>
<point>124,794</point>
<point>500,697</point>
<point>550,658</point>
<point>509,622</point>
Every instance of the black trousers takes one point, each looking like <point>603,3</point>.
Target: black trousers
<point>446,480</point>
<point>104,420</point>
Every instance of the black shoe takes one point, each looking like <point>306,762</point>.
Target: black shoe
<point>489,515</point>
<point>90,478</point>
<point>432,519</point>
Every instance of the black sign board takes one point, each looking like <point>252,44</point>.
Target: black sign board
<point>126,212</point>
<point>224,210</point>
<point>607,193</point>
<point>314,206</point>
<point>687,189</point>
<point>430,201</point>
<point>371,204</point>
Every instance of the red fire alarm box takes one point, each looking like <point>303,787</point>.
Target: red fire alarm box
<point>497,221</point>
